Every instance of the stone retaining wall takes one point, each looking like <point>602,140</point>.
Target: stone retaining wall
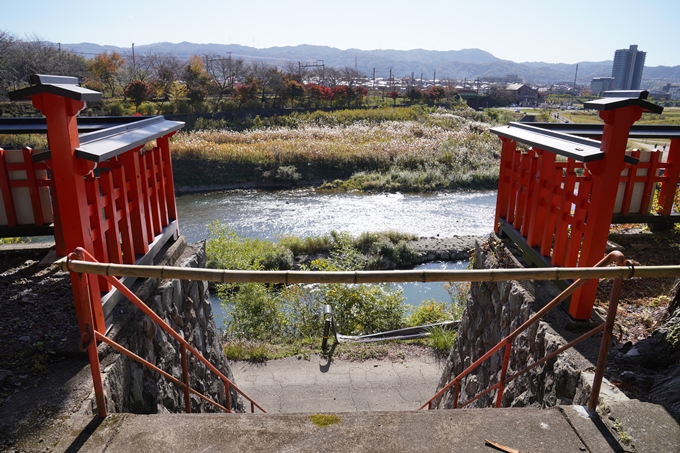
<point>185,306</point>
<point>493,311</point>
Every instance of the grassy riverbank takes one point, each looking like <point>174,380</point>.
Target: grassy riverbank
<point>387,149</point>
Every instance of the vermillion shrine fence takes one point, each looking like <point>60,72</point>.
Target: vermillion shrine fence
<point>559,194</point>
<point>108,190</point>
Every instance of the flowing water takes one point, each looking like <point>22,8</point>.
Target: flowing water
<point>269,215</point>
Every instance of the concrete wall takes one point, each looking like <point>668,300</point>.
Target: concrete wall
<point>494,310</point>
<point>185,306</point>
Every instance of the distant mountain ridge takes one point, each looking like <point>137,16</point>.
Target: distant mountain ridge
<point>455,64</point>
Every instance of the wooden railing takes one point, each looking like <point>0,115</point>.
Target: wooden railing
<point>25,206</point>
<point>109,190</point>
<point>559,194</point>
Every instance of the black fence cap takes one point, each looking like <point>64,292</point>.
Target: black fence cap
<point>630,94</point>
<point>59,85</point>
<point>623,98</point>
<point>43,79</point>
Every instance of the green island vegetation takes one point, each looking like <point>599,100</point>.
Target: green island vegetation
<point>274,320</point>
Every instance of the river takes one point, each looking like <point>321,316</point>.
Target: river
<point>271,214</point>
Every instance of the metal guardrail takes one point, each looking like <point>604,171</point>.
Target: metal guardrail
<point>90,337</point>
<point>623,270</point>
<point>506,344</point>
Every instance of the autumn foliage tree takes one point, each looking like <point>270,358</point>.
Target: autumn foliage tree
<point>435,93</point>
<point>245,92</point>
<point>103,70</point>
<point>393,95</point>
<point>318,93</point>
<point>196,80</point>
<point>293,90</point>
<point>138,92</point>
<point>360,94</point>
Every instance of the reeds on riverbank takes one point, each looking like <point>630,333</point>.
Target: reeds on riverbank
<point>404,149</point>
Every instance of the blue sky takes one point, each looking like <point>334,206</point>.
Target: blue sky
<point>518,30</point>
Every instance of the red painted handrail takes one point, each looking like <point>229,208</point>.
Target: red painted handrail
<point>90,335</point>
<point>506,343</point>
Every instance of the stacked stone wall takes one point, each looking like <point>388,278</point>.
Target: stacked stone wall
<point>185,306</point>
<point>493,310</point>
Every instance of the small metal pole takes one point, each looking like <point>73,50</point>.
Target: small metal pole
<point>604,346</point>
<point>89,338</point>
<point>226,388</point>
<point>185,378</point>
<point>504,372</point>
<point>456,393</point>
<point>328,317</point>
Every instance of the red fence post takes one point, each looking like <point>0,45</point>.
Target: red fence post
<point>667,194</point>
<point>504,180</point>
<point>69,181</point>
<point>7,197</point>
<point>606,174</point>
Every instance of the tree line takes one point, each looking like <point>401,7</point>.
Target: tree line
<point>204,83</point>
<point>222,82</point>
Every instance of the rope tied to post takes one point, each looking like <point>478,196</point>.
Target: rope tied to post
<point>631,266</point>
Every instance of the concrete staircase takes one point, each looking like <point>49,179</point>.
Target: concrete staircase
<point>565,429</point>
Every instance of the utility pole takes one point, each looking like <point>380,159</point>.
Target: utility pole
<point>390,78</point>
<point>316,64</point>
<point>573,90</point>
<point>134,66</point>
<point>434,78</point>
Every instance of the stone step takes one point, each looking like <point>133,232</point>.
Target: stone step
<point>523,429</point>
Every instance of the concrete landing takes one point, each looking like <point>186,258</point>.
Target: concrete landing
<point>292,385</point>
<point>526,430</point>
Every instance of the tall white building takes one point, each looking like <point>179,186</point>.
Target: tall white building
<point>627,69</point>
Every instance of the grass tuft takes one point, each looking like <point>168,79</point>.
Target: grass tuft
<point>324,420</point>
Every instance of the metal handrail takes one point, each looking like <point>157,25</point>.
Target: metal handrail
<point>90,334</point>
<point>618,273</point>
<point>506,343</point>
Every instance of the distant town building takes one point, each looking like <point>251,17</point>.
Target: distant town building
<point>674,93</point>
<point>601,84</point>
<point>627,69</point>
<point>523,94</point>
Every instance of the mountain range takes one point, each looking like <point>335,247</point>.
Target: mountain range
<point>454,64</point>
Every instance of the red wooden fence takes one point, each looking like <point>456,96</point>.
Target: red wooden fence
<point>111,189</point>
<point>25,197</point>
<point>560,209</point>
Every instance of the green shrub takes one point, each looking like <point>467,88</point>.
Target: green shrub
<point>253,104</point>
<point>442,340</point>
<point>147,108</point>
<point>307,245</point>
<point>166,108</point>
<point>254,310</point>
<point>116,109</point>
<point>288,173</point>
<point>279,258</point>
<point>429,312</point>
<point>19,141</point>
<point>227,105</point>
<point>206,124</point>
<point>364,309</point>
<point>183,107</point>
